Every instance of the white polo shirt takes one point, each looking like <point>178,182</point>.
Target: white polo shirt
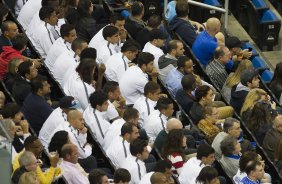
<point>80,90</point>
<point>118,151</point>
<point>156,123</point>
<point>116,66</point>
<point>113,132</point>
<point>27,12</point>
<point>147,178</point>
<point>97,124</point>
<point>157,52</point>
<point>60,46</point>
<point>135,167</point>
<point>97,39</point>
<point>132,84</point>
<point>105,50</point>
<point>145,106</point>
<point>111,112</point>
<point>56,118</point>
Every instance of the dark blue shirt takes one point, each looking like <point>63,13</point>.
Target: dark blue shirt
<point>4,42</point>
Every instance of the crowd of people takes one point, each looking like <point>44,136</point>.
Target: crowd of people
<point>111,70</point>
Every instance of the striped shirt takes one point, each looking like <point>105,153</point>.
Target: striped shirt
<point>217,73</point>
<point>177,163</point>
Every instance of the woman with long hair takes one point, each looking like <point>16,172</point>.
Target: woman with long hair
<point>208,175</point>
<point>276,82</point>
<point>173,150</point>
<point>58,140</point>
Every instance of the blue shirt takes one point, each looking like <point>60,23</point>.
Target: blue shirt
<point>204,47</point>
<point>247,180</point>
<point>173,81</point>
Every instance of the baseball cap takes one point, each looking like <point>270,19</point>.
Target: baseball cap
<point>248,75</point>
<point>68,102</point>
<point>156,34</point>
<point>233,42</point>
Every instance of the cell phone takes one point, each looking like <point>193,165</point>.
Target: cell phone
<point>250,49</point>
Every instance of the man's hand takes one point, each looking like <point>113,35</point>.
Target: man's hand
<point>247,54</point>
<point>101,69</point>
<point>24,125</point>
<point>37,62</point>
<point>54,158</point>
<point>83,130</point>
<point>154,73</point>
<point>122,35</point>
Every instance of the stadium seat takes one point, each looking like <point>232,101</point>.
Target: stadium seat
<point>267,76</point>
<point>249,45</point>
<point>258,62</point>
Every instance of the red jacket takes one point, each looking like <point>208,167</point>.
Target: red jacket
<point>8,53</point>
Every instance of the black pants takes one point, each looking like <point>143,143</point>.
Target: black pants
<point>88,164</point>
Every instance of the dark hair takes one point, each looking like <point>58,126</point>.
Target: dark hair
<point>45,12</point>
<point>204,150</point>
<point>24,68</point>
<point>46,2</point>
<point>251,166</point>
<point>181,61</point>
<point>3,11</point>
<point>229,123</point>
<point>172,44</point>
<point>10,110</point>
<point>122,175</point>
<point>182,8</point>
<point>109,31</point>
<point>219,52</point>
<point>260,116</point>
<point>130,45</point>
<point>130,113</point>
<point>110,86</point>
<point>77,44</point>
<point>151,87</point>
<point>58,140</point>
<point>83,8</point>
<point>227,145</point>
<point>126,128</point>
<point>19,41</point>
<point>5,25</point>
<point>28,142</point>
<point>85,69</point>
<point>89,53</point>
<point>163,103</point>
<point>201,91</point>
<point>162,165</point>
<point>246,158</point>
<point>207,174</point>
<point>173,143</point>
<point>154,21</point>
<point>137,146</point>
<point>66,29</point>
<point>116,17</point>
<point>277,79</point>
<point>137,8</point>
<point>37,83</point>
<point>95,176</point>
<point>145,58</point>
<point>188,82</point>
<point>98,98</point>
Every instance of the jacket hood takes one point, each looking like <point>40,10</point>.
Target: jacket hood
<point>238,91</point>
<point>8,50</point>
<point>164,62</point>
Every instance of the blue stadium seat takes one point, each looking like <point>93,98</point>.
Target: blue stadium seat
<point>258,62</point>
<point>267,76</point>
<point>260,4</point>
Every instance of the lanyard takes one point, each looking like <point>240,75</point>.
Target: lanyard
<point>63,116</point>
<point>125,67</point>
<point>86,91</point>
<point>108,45</point>
<point>138,166</point>
<point>49,34</point>
<point>81,147</point>
<point>99,125</point>
<point>124,150</point>
<point>74,56</point>
<point>148,107</point>
<point>65,42</point>
<point>162,121</point>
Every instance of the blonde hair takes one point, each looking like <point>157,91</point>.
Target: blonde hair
<point>253,96</point>
<point>234,78</point>
<point>28,177</point>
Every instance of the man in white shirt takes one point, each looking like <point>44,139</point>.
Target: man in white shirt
<point>93,115</point>
<point>118,63</point>
<point>56,118</point>
<point>192,168</point>
<point>71,170</point>
<point>158,118</point>
<point>118,150</point>
<point>27,12</point>
<point>130,115</point>
<point>154,45</point>
<point>110,47</point>
<point>134,163</point>
<point>61,45</point>
<point>147,102</point>
<point>136,77</point>
<point>41,36</point>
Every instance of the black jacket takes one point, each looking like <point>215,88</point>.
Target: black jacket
<point>86,28</point>
<point>21,89</point>
<point>238,95</point>
<point>133,27</point>
<point>184,100</point>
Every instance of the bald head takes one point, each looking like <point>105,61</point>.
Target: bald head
<point>75,118</point>
<point>67,149</point>
<point>72,115</point>
<point>173,124</point>
<point>158,178</point>
<point>213,26</point>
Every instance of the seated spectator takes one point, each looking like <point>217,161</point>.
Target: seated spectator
<point>93,115</point>
<point>232,128</point>
<point>28,162</point>
<point>122,176</point>
<point>9,78</point>
<point>110,47</point>
<point>58,140</point>
<point>57,118</point>
<point>278,156</point>
<point>168,61</point>
<point>255,172</point>
<point>180,23</point>
<point>248,80</point>
<point>118,63</point>
<point>61,45</point>
<point>173,150</point>
<point>9,30</point>
<point>260,121</point>
<point>158,178</point>
<point>276,83</point>
<point>136,77</point>
<point>272,137</point>
<point>173,79</point>
<point>97,176</point>
<point>71,170</point>
<point>41,36</point>
<point>154,45</point>
<point>209,125</point>
<point>192,168</point>
<point>118,150</point>
<point>134,23</point>
<point>19,43</point>
<point>86,24</point>
<point>131,115</point>
<point>146,104</point>
<point>134,163</point>
<point>11,129</point>
<point>158,118</point>
<point>231,153</point>
<point>206,43</point>
<point>234,78</point>
<point>208,174</point>
<point>22,87</point>
<point>35,108</point>
<point>216,68</point>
